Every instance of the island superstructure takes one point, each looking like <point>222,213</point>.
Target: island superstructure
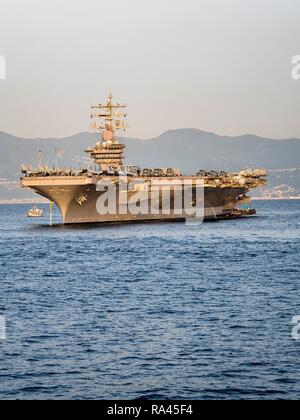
<point>108,153</point>
<point>78,193</point>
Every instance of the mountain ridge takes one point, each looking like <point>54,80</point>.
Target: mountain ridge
<point>187,149</point>
<point>171,131</point>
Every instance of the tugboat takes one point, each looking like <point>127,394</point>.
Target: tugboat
<point>35,212</point>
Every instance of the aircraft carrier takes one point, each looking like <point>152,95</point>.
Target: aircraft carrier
<point>137,194</point>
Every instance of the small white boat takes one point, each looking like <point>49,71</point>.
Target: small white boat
<point>35,212</point>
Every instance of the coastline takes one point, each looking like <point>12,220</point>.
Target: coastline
<point>274,198</point>
<point>44,201</point>
<point>23,201</point>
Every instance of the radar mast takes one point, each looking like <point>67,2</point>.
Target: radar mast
<point>108,119</point>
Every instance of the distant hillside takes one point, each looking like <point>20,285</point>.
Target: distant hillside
<point>187,149</point>
<point>192,149</point>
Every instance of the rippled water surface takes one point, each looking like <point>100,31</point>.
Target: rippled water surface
<point>151,311</point>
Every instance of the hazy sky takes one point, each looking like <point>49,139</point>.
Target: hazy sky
<point>218,65</point>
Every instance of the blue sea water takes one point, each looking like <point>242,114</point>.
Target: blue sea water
<point>151,311</point>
